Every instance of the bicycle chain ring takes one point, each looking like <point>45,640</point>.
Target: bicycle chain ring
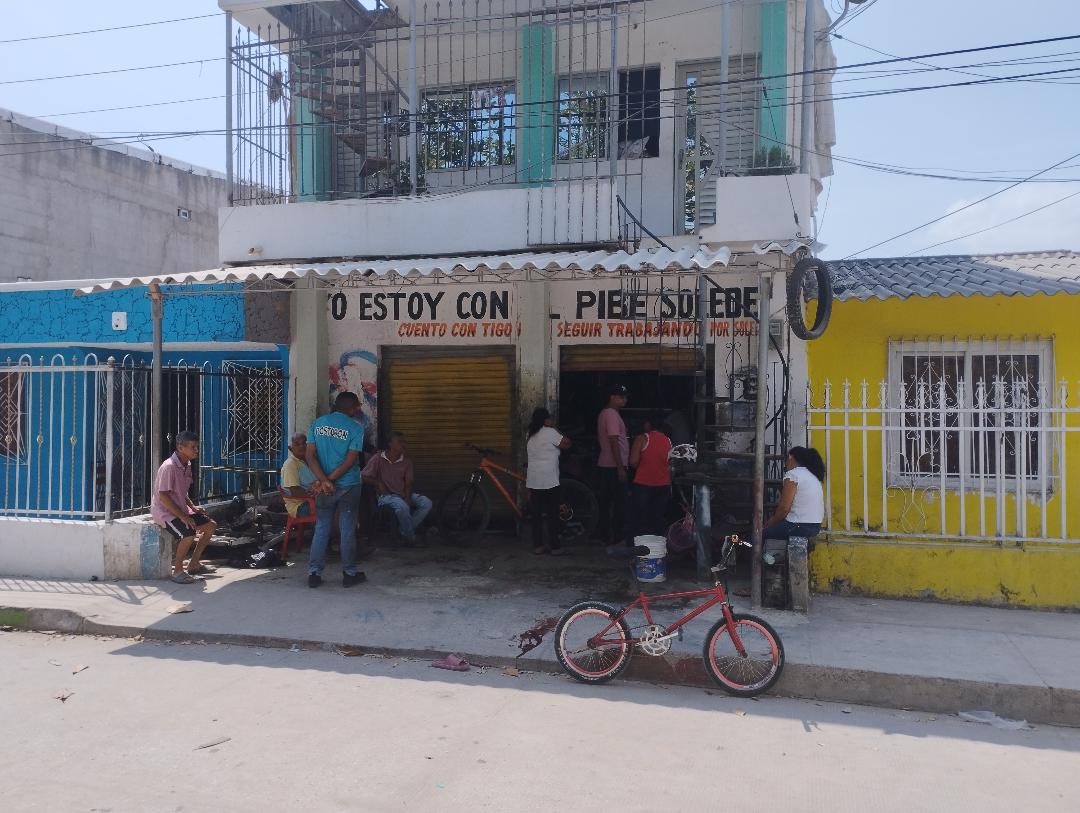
<point>652,641</point>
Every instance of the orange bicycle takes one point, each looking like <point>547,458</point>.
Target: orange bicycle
<point>466,507</point>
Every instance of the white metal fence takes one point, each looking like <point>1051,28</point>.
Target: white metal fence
<point>941,458</point>
<point>75,434</point>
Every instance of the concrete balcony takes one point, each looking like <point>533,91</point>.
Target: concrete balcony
<point>496,220</point>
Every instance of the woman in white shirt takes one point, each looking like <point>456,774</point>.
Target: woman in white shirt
<point>544,446</point>
<point>802,503</point>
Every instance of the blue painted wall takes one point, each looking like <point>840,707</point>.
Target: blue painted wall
<point>191,315</point>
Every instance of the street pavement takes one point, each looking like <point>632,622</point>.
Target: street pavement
<point>149,726</point>
<point>477,602</point>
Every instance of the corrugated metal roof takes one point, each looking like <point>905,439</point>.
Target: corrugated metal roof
<point>661,259</point>
<point>1047,272</point>
<point>592,262</point>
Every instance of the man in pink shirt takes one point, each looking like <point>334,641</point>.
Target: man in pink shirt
<point>611,467</point>
<point>172,509</point>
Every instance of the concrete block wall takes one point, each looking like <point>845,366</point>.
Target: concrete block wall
<point>70,211</point>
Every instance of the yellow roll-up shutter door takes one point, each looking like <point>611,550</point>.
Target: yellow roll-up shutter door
<point>443,399</point>
<point>620,357</point>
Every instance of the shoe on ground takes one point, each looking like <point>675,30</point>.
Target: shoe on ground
<point>182,578</point>
<point>202,570</point>
<point>351,580</point>
<point>314,580</point>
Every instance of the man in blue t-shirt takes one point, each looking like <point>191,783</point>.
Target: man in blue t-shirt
<point>334,443</point>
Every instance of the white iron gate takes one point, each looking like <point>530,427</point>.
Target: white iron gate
<point>942,458</point>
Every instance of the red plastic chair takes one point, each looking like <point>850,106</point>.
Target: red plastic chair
<point>298,523</point>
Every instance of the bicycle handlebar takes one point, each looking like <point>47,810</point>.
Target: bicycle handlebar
<point>480,450</point>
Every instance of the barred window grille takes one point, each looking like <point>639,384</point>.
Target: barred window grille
<point>970,406</point>
<point>469,127</point>
<point>582,128</point>
<point>253,407</point>
<point>11,415</point>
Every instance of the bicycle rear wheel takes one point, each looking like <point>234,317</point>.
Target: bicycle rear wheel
<point>578,511</point>
<point>599,661</point>
<point>744,675</point>
<point>465,509</point>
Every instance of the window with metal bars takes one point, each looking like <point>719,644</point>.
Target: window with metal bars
<point>581,131</point>
<point>968,409</point>
<point>470,127</point>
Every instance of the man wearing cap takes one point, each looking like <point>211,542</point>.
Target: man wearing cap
<point>611,466</point>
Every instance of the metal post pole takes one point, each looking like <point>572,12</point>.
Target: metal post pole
<point>414,102</point>
<point>725,59</point>
<point>229,106</point>
<point>110,397</point>
<point>702,493</point>
<point>758,527</point>
<point>157,313</point>
<point>613,99</point>
<point>806,122</point>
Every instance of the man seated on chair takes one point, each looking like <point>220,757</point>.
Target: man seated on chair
<point>391,473</point>
<point>297,480</point>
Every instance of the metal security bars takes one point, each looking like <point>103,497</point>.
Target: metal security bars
<point>334,100</point>
<point>947,455</point>
<point>74,433</point>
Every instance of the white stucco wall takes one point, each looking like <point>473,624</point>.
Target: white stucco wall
<point>66,549</point>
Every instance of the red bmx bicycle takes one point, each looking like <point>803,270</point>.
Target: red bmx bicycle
<point>743,654</point>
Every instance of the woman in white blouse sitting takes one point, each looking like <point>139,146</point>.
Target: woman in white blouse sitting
<point>801,509</point>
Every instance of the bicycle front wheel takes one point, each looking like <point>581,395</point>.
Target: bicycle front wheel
<point>744,675</point>
<point>578,511</point>
<point>583,652</point>
<point>465,509</point>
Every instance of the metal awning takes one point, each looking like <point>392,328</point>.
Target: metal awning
<point>506,266</point>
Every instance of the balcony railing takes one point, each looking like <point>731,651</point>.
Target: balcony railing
<point>333,101</point>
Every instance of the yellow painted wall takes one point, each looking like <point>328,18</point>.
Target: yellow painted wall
<point>855,348</point>
<point>1036,576</point>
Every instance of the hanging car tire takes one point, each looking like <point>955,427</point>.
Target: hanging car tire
<point>796,281</point>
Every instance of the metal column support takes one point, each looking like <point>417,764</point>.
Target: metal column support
<point>110,405</point>
<point>758,501</point>
<point>702,493</point>
<point>725,59</point>
<point>414,102</point>
<point>613,83</point>
<point>157,313</point>
<point>229,106</point>
<point>807,105</point>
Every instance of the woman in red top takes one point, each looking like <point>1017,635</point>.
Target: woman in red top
<point>650,490</point>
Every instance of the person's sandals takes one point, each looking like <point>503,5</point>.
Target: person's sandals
<point>182,578</point>
<point>202,570</point>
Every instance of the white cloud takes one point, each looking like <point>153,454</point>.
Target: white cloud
<point>1057,227</point>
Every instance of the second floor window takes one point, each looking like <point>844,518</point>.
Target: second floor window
<point>468,127</point>
<point>582,132</point>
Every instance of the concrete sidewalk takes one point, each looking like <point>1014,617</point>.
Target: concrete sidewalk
<point>430,602</point>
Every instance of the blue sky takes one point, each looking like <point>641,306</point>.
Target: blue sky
<point>1017,127</point>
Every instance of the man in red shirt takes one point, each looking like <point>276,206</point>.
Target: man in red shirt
<point>611,466</point>
<point>391,472</point>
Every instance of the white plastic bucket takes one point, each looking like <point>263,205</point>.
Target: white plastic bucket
<point>653,567</point>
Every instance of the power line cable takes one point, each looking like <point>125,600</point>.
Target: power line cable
<point>997,225</point>
<point>962,208</point>
<point>110,28</point>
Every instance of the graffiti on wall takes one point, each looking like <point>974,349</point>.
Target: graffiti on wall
<point>357,371</point>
